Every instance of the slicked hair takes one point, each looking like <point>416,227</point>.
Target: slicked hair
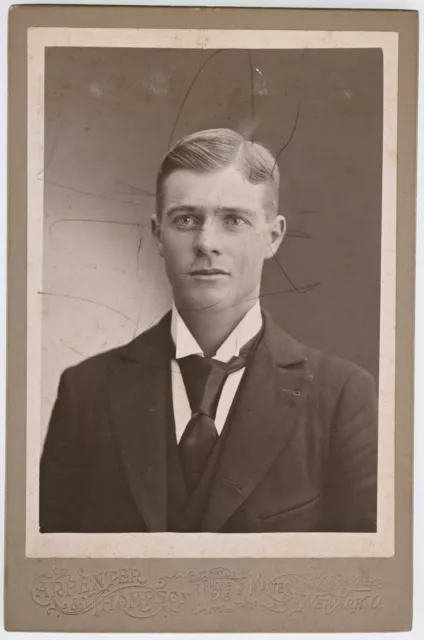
<point>215,149</point>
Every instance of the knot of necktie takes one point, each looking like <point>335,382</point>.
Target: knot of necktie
<point>204,379</point>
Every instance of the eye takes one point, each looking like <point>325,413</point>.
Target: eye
<point>232,220</point>
<point>186,221</point>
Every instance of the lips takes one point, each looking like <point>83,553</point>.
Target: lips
<point>208,272</point>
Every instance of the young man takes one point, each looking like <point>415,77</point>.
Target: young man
<point>214,419</point>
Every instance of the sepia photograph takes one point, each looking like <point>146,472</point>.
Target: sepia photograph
<point>210,336</point>
<point>210,367</point>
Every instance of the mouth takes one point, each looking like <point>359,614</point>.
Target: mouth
<point>208,272</point>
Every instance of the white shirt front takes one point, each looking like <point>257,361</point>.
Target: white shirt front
<point>186,345</point>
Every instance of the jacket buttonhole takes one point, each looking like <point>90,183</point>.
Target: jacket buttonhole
<point>292,392</point>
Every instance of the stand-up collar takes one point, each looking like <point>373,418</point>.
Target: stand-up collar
<point>186,344</point>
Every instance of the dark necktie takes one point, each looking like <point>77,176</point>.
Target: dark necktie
<point>204,379</point>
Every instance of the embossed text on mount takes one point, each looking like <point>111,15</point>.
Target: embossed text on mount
<point>63,592</point>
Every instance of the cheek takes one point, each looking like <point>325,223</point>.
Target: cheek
<point>251,251</point>
<point>177,250</point>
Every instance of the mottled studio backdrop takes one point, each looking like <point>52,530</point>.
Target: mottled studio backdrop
<point>110,115</point>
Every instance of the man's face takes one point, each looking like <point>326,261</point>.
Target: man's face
<point>214,236</point>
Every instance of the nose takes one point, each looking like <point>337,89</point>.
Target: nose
<point>208,240</point>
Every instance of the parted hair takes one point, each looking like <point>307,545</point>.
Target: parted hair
<point>215,149</point>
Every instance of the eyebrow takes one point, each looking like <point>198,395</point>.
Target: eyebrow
<point>182,208</point>
<point>237,210</point>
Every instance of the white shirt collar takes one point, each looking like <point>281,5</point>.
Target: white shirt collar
<point>186,345</point>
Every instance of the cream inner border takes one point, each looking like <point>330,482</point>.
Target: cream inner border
<point>210,545</point>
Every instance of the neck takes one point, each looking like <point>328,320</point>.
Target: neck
<point>211,327</point>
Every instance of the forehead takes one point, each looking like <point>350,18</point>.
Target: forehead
<point>223,188</point>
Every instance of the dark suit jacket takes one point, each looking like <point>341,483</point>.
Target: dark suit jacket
<point>300,452</point>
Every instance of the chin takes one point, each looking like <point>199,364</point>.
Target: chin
<point>214,300</point>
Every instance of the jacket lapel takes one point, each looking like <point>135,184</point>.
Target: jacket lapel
<point>262,421</point>
<point>138,392</point>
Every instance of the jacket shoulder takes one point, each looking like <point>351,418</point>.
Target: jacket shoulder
<point>322,365</point>
<point>94,366</point>
<point>339,384</point>
<point>329,365</point>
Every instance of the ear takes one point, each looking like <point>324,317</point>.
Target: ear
<point>276,232</point>
<point>156,231</point>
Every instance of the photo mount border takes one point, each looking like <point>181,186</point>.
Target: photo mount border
<point>395,574</point>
